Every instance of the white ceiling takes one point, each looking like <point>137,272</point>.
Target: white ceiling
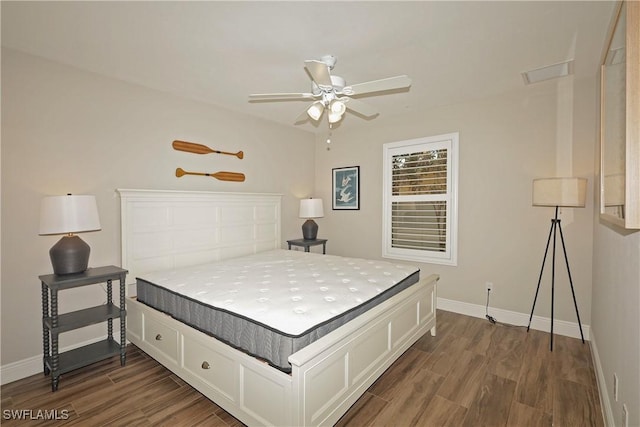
<point>220,52</point>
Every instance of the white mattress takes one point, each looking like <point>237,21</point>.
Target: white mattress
<point>287,291</point>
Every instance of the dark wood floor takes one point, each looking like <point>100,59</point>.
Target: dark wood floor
<point>473,373</point>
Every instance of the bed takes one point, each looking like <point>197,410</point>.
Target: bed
<point>317,381</point>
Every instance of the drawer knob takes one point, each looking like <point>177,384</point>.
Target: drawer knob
<point>205,365</point>
<point>158,337</point>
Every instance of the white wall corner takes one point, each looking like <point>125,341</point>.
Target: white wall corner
<point>605,402</point>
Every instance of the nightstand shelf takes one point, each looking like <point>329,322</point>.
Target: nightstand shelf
<point>306,244</point>
<point>82,318</point>
<point>53,324</point>
<point>86,355</point>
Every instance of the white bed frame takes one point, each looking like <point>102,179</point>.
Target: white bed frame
<point>165,229</point>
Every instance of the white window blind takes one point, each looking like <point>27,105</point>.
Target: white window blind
<point>420,199</point>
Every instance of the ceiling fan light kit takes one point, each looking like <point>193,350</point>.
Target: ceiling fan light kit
<point>315,110</point>
<point>337,107</point>
<point>332,93</point>
<point>334,117</point>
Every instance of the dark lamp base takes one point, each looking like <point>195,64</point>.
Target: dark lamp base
<point>70,255</point>
<point>309,230</point>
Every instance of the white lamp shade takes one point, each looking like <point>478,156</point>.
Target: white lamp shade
<point>68,214</point>
<point>563,192</point>
<point>311,208</point>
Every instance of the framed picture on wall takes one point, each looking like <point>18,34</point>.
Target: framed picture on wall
<point>346,188</point>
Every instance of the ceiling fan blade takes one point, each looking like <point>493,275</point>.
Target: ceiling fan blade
<point>359,107</point>
<point>282,96</point>
<point>398,82</point>
<point>319,72</point>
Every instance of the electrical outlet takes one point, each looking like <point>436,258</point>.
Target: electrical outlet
<point>625,416</point>
<point>615,386</point>
<point>489,286</point>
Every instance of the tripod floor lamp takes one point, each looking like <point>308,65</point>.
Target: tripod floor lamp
<point>557,192</point>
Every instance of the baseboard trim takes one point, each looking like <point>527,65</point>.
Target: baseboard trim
<point>33,365</point>
<point>605,402</point>
<point>560,327</point>
<point>21,369</point>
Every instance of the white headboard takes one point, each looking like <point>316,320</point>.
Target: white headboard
<point>165,229</point>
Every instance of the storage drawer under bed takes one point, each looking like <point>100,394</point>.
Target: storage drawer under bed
<point>163,337</point>
<point>212,367</point>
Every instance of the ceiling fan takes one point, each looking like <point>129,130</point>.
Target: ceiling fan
<point>332,94</point>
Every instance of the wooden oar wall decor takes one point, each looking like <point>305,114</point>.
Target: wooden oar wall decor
<point>192,147</point>
<point>222,175</point>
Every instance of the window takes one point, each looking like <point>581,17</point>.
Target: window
<point>420,183</point>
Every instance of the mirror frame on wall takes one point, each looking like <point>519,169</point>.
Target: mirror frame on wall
<point>627,215</point>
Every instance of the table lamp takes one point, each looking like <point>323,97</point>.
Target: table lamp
<point>68,215</point>
<point>310,208</point>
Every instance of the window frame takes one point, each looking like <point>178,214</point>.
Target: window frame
<point>450,142</point>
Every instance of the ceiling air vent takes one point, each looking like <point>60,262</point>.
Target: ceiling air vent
<point>554,71</point>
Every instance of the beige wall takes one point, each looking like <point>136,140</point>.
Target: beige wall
<point>505,142</point>
<point>616,317</point>
<point>66,130</point>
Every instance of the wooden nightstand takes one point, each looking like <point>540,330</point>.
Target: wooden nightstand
<point>54,324</point>
<point>306,244</point>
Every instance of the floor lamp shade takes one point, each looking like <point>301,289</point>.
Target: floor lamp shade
<point>310,208</point>
<point>68,215</point>
<point>557,192</point>
<point>563,192</point>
